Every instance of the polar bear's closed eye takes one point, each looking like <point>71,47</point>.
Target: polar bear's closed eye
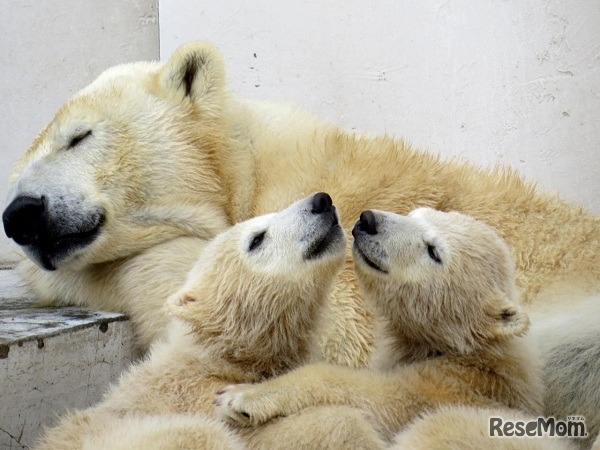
<point>78,138</point>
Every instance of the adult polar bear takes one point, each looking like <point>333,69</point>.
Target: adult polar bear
<point>119,193</point>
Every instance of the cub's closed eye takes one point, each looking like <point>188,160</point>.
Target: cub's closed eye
<point>80,137</point>
<point>256,241</point>
<point>433,253</point>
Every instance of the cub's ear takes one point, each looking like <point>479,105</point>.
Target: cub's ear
<point>194,71</point>
<point>507,318</point>
<point>185,306</point>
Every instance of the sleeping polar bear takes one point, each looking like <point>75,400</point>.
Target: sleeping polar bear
<point>118,194</point>
<point>247,311</point>
<point>444,286</point>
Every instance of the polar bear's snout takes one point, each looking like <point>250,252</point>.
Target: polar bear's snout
<point>368,245</point>
<point>327,230</point>
<point>49,231</point>
<point>367,223</point>
<point>393,244</point>
<point>321,202</point>
<point>295,242</point>
<point>23,219</point>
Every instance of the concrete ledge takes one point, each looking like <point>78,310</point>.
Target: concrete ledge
<point>53,359</point>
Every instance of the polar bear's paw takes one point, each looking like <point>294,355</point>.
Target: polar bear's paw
<point>241,405</point>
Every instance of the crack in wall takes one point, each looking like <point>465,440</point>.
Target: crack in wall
<point>17,440</point>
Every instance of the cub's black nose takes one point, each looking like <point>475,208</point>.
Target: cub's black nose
<point>321,202</point>
<point>25,220</point>
<point>367,222</point>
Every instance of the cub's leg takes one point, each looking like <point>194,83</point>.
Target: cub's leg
<point>332,427</point>
<point>165,432</point>
<point>393,400</point>
<point>94,430</point>
<point>73,429</point>
<point>348,335</point>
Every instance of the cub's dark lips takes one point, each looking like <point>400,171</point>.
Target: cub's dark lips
<point>319,246</point>
<point>368,261</point>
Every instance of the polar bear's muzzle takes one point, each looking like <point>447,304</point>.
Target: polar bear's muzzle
<point>367,247</point>
<point>328,230</point>
<point>48,231</point>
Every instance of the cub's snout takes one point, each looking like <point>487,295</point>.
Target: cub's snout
<point>327,230</point>
<point>322,203</point>
<point>367,223</point>
<point>368,247</point>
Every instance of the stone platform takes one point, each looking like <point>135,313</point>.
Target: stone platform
<point>52,359</point>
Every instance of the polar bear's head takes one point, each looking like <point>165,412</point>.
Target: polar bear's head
<point>445,281</point>
<point>257,287</point>
<point>128,162</point>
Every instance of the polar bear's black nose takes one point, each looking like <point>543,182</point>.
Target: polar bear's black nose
<point>321,202</point>
<point>367,222</point>
<point>25,219</point>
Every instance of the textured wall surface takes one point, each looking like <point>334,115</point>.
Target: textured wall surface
<point>494,81</point>
<point>50,50</point>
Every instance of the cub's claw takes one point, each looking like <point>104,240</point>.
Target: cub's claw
<point>235,406</point>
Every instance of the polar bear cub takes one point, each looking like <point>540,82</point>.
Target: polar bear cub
<point>444,286</point>
<point>248,310</point>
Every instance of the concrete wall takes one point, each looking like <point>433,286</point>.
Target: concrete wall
<point>51,49</point>
<point>44,378</point>
<point>494,81</point>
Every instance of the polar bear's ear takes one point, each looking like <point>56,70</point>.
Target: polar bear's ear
<point>507,318</point>
<point>194,71</point>
<point>186,306</point>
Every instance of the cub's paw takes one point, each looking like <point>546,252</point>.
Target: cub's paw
<point>241,405</point>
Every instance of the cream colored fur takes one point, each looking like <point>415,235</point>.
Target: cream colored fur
<point>95,431</point>
<point>174,158</point>
<point>444,284</point>
<point>243,315</point>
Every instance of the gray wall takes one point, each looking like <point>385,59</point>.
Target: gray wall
<point>51,49</point>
